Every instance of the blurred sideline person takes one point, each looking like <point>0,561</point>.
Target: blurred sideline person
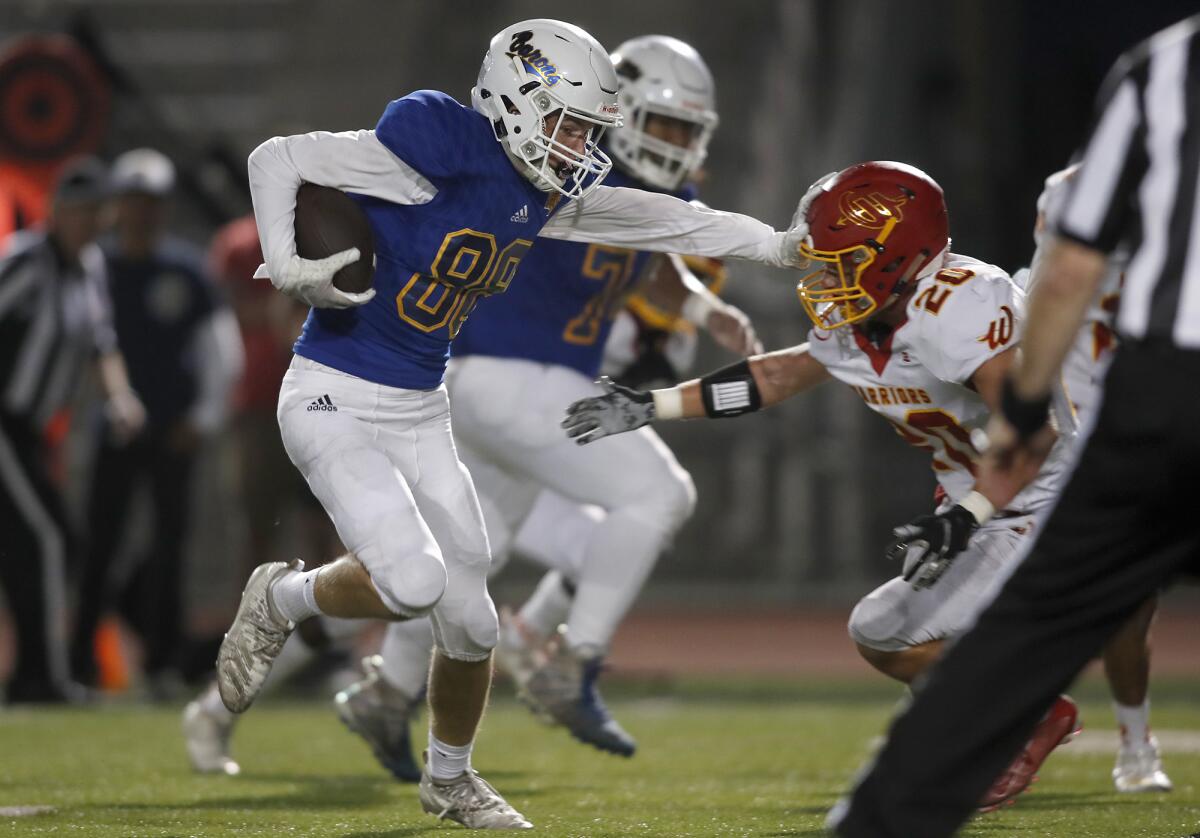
<point>1127,655</point>
<point>269,486</point>
<point>924,336</point>
<point>55,315</point>
<point>1125,526</point>
<point>456,197</point>
<point>183,352</point>
<point>270,490</point>
<point>516,364</point>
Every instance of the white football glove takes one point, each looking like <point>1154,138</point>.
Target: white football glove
<point>311,280</point>
<point>798,231</point>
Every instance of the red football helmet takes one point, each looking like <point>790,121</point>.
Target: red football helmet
<point>874,228</point>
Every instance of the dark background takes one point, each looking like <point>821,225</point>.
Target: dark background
<point>988,97</point>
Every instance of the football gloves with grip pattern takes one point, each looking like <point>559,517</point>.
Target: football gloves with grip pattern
<point>928,544</point>
<point>617,410</point>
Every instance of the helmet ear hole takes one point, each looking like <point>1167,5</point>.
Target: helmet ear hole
<point>626,69</point>
<point>509,106</point>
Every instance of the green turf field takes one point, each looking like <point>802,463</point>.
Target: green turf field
<point>716,760</point>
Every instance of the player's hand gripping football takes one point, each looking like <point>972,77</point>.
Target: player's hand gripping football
<point>311,280</point>
<point>620,409</point>
<point>928,544</point>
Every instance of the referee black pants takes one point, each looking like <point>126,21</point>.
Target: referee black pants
<point>33,557</point>
<point>153,599</point>
<point>1125,526</point>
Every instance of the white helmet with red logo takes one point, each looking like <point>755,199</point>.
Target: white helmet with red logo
<point>662,76</point>
<point>532,70</point>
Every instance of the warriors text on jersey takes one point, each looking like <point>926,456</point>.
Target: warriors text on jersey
<point>918,376</point>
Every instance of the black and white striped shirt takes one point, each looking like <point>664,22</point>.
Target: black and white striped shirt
<point>1139,183</point>
<point>53,319</point>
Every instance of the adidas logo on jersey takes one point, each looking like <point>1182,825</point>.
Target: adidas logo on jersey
<point>323,403</point>
<point>521,216</point>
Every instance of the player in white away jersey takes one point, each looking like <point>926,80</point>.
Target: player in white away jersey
<point>925,337</point>
<point>1127,655</point>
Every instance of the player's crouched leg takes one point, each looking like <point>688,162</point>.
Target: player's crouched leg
<point>879,627</point>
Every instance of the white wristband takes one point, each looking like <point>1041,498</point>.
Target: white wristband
<point>668,404</point>
<point>697,307</point>
<point>979,506</point>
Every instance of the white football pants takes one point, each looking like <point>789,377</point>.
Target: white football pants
<point>382,462</point>
<point>894,616</point>
<point>507,423</point>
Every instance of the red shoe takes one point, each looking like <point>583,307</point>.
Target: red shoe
<point>1059,726</point>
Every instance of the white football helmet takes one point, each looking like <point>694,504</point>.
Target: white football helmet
<point>533,69</point>
<point>666,77</point>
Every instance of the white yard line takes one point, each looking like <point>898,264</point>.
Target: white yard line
<point>1105,742</point>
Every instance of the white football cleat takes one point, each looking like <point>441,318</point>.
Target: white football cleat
<point>470,800</point>
<point>1139,769</point>
<point>255,638</point>
<point>206,736</point>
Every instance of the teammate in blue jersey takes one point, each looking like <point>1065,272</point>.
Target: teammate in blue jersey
<point>517,363</point>
<point>456,197</point>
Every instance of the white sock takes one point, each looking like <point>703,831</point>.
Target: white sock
<point>407,653</point>
<point>448,761</point>
<point>210,701</point>
<point>1134,722</point>
<point>293,595</point>
<point>546,610</point>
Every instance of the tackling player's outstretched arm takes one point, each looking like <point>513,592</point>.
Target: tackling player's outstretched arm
<point>743,387</point>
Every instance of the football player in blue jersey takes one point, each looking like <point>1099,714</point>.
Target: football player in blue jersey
<point>456,197</point>
<point>517,363</point>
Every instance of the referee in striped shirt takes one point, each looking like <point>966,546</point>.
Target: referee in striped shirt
<point>54,317</point>
<point>1126,525</point>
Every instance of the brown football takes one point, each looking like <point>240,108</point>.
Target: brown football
<point>327,222</point>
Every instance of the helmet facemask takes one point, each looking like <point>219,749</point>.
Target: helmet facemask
<point>660,162</point>
<point>833,295</point>
<point>554,164</point>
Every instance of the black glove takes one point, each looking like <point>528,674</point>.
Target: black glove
<point>928,544</point>
<point>620,409</point>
